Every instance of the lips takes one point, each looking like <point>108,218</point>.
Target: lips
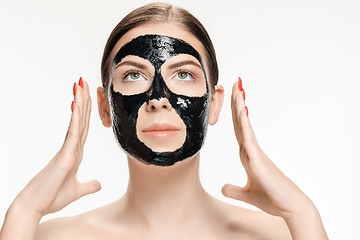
<point>162,130</point>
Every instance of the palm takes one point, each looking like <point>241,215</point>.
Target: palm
<point>267,187</point>
<point>56,185</point>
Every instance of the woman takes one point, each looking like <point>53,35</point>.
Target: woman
<point>159,92</point>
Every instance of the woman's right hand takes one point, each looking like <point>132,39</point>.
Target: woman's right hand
<point>56,185</point>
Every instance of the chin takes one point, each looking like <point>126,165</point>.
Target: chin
<point>164,159</point>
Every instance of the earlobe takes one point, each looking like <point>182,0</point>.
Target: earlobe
<point>103,106</point>
<point>217,99</point>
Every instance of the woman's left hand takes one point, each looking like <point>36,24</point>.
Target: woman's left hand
<point>267,187</point>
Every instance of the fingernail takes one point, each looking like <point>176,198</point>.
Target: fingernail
<point>74,89</point>
<point>240,83</point>
<point>243,93</point>
<point>81,82</point>
<point>247,111</point>
<point>72,106</point>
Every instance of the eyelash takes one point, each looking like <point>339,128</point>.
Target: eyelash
<point>131,71</point>
<point>188,72</point>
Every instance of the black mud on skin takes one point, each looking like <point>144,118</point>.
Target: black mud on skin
<point>192,110</point>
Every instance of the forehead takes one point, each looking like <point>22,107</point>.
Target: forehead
<point>155,48</point>
<point>173,30</point>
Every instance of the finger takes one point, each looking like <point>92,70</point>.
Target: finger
<point>86,97</point>
<point>87,122</point>
<point>238,100</point>
<point>73,133</point>
<point>235,121</point>
<point>89,187</point>
<point>87,111</point>
<point>79,99</point>
<point>237,104</point>
<point>234,115</point>
<point>235,192</point>
<point>249,139</point>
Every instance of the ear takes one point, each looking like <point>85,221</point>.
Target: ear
<point>217,99</point>
<point>104,108</point>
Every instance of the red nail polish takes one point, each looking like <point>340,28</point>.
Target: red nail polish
<point>74,89</point>
<point>72,106</point>
<point>240,83</point>
<point>243,92</point>
<point>247,111</point>
<point>81,82</point>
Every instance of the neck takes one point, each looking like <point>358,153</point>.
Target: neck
<point>157,194</point>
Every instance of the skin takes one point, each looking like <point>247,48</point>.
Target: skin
<point>172,64</point>
<point>176,206</point>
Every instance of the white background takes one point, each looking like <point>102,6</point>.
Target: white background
<point>300,65</point>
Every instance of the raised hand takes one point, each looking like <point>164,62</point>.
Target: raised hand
<point>267,187</point>
<point>56,185</point>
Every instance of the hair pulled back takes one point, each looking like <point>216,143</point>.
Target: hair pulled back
<point>155,13</point>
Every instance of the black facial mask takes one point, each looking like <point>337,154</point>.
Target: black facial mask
<point>193,111</point>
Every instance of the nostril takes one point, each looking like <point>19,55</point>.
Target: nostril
<point>158,104</point>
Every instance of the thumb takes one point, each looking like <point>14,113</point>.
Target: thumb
<point>235,192</point>
<point>89,187</point>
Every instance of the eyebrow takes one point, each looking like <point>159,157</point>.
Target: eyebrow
<point>131,63</point>
<point>182,63</point>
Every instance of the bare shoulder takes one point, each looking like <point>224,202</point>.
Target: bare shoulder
<point>230,221</point>
<point>267,226</point>
<point>92,225</point>
<point>58,228</point>
<point>82,226</point>
<point>69,228</point>
<point>251,224</point>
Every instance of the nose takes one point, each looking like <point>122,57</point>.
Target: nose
<point>158,104</point>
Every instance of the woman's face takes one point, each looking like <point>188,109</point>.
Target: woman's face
<point>159,93</point>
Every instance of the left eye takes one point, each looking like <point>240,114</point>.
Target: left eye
<point>183,76</point>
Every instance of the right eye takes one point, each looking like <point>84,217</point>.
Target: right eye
<point>133,76</point>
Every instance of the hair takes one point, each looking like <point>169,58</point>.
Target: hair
<point>155,13</point>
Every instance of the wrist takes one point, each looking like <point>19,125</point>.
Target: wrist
<point>20,223</point>
<point>304,210</point>
<point>17,209</point>
<point>305,223</point>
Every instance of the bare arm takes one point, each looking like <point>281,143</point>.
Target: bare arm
<point>306,224</point>
<point>19,223</point>
<point>267,187</point>
<point>55,186</point>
